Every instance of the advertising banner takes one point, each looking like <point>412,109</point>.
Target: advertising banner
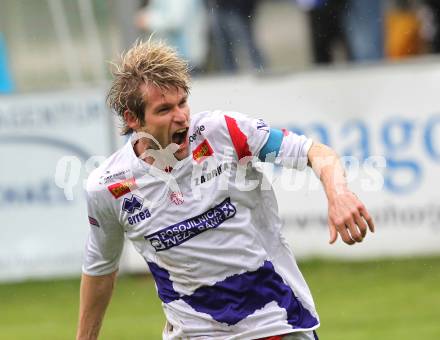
<point>48,145</point>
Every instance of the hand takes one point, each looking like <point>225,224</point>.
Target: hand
<point>348,217</point>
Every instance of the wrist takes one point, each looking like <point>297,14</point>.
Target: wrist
<point>336,191</point>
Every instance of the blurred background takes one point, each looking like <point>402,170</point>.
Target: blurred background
<point>52,44</point>
<point>360,75</point>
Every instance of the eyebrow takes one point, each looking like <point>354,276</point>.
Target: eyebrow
<point>162,106</point>
<point>168,105</point>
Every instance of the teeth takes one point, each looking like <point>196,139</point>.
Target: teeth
<point>181,130</point>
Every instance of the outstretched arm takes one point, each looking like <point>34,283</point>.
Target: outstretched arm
<point>347,216</point>
<point>95,295</point>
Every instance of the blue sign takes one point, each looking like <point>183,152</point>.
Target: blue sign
<point>6,84</point>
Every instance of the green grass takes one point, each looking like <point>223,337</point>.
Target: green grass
<point>386,299</point>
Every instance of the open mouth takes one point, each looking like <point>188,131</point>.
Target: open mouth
<point>179,136</point>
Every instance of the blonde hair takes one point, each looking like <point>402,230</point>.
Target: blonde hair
<point>145,63</point>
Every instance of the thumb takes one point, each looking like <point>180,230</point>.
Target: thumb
<point>333,233</point>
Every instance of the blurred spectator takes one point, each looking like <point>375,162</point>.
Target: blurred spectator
<point>364,29</point>
<point>325,20</point>
<point>181,23</point>
<point>232,24</point>
<point>6,85</point>
<point>354,25</point>
<point>403,31</point>
<point>434,6</point>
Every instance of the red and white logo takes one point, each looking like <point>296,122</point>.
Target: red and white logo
<point>121,188</point>
<point>176,197</point>
<point>202,151</point>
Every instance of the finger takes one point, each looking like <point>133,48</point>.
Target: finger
<point>362,226</point>
<point>367,218</point>
<point>342,229</point>
<point>333,233</point>
<point>355,234</point>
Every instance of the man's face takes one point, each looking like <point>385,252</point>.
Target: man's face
<point>166,117</point>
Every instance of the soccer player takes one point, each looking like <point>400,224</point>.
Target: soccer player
<point>190,195</point>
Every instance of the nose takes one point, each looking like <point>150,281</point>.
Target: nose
<point>180,116</point>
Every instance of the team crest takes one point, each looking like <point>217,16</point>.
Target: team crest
<point>176,197</point>
<point>202,151</point>
<point>121,188</point>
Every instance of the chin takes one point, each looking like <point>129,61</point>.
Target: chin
<point>182,154</point>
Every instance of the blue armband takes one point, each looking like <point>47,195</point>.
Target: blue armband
<point>273,144</point>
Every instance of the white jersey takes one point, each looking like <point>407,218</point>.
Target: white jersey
<point>210,235</point>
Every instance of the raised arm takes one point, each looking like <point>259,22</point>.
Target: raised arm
<point>347,216</point>
<point>95,294</point>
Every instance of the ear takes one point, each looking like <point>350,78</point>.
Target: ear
<point>131,120</point>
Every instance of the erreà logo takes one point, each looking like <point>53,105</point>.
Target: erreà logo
<point>132,204</point>
<point>121,188</point>
<point>202,151</point>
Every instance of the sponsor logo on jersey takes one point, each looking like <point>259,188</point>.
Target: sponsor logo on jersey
<point>176,197</point>
<point>197,132</point>
<point>143,215</point>
<point>93,221</point>
<point>207,176</point>
<point>132,204</point>
<point>121,188</point>
<point>261,125</point>
<point>202,151</point>
<point>178,233</point>
<point>104,179</point>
